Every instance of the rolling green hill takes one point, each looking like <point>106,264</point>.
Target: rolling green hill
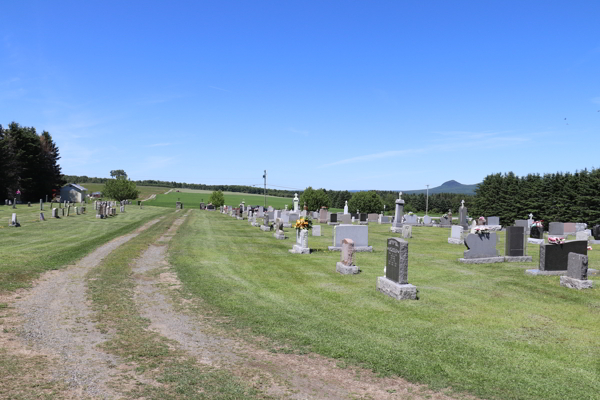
<point>447,187</point>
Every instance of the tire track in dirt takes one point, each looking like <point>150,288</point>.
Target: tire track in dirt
<point>281,375</point>
<point>57,321</point>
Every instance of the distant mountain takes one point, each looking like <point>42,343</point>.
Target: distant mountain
<point>447,187</point>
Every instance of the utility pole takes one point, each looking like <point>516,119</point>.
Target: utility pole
<point>265,178</point>
<point>427,201</point>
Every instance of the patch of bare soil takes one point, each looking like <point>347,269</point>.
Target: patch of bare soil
<point>53,319</point>
<point>287,376</point>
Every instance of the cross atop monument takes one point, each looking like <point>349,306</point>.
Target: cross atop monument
<point>462,203</point>
<point>399,195</point>
<point>530,216</point>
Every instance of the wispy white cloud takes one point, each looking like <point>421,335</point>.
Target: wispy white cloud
<point>596,100</point>
<point>218,88</point>
<point>484,140</point>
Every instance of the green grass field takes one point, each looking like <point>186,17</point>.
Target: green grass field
<point>193,198</point>
<point>37,246</point>
<point>489,330</point>
<point>145,191</point>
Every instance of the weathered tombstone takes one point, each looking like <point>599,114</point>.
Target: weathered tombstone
<point>279,233</point>
<point>323,215</point>
<point>407,231</point>
<point>481,249</point>
<point>68,210</point>
<point>358,233</point>
<point>178,205</point>
<point>397,224</point>
<point>581,235</point>
<point>316,230</point>
<point>523,224</point>
<point>395,282</point>
<point>346,265</point>
<point>445,220</point>
<point>41,205</point>
<point>202,206</point>
<point>410,219</point>
<point>14,205</point>
<point>301,246</point>
<point>577,273</point>
<point>556,229</point>
<point>265,227</point>
<point>28,204</point>
<point>427,220</point>
<point>42,217</point>
<point>346,219</point>
<point>54,213</point>
<point>580,226</point>
<point>514,247</point>
<point>333,219</point>
<point>456,233</point>
<point>493,221</point>
<point>14,222</point>
<point>462,215</point>
<point>569,228</point>
<point>555,257</point>
<point>372,217</point>
<point>122,209</point>
<point>77,211</point>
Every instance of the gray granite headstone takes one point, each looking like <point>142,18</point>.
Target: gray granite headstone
<point>346,219</point>
<point>456,232</point>
<point>410,219</point>
<point>579,226</point>
<point>358,233</point>
<point>481,245</point>
<point>316,230</point>
<point>556,229</point>
<point>577,266</point>
<point>427,220</point>
<point>396,266</point>
<point>524,224</point>
<point>493,220</point>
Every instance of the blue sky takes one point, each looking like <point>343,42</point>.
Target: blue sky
<point>341,95</point>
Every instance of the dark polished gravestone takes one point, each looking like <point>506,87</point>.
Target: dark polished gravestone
<point>515,241</point>
<point>596,232</point>
<point>333,219</point>
<point>514,246</point>
<point>555,257</point>
<point>536,232</point>
<point>364,218</point>
<point>481,249</point>
<point>395,282</point>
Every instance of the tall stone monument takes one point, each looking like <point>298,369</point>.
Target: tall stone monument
<point>397,224</point>
<point>462,215</point>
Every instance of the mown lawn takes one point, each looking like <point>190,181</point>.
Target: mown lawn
<point>193,198</point>
<point>36,246</point>
<point>145,191</point>
<point>489,330</point>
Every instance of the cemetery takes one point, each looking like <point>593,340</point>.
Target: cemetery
<point>334,238</point>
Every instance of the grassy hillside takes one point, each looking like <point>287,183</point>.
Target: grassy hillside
<point>145,191</point>
<point>193,198</point>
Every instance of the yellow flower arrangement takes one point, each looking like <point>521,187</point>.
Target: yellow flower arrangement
<point>303,223</point>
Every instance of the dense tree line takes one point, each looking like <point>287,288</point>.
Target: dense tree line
<point>28,163</point>
<point>561,197</point>
<point>183,185</point>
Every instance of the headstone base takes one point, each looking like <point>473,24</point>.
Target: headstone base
<point>255,224</point>
<point>240,218</point>
<point>299,250</point>
<point>483,260</point>
<point>265,228</point>
<point>573,283</point>
<point>535,241</point>
<point>396,229</point>
<point>535,272</point>
<point>455,241</point>
<point>594,241</point>
<point>396,290</point>
<point>356,249</point>
<point>346,269</point>
<point>279,236</point>
<point>333,223</point>
<point>518,259</point>
<point>363,223</point>
<point>99,216</point>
